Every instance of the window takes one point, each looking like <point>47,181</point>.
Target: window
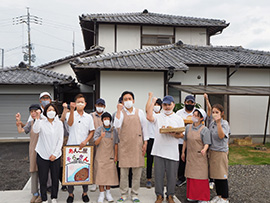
<point>154,40</point>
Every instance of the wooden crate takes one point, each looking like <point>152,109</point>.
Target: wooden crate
<point>171,130</point>
<point>242,142</point>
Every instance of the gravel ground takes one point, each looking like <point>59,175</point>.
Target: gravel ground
<point>246,183</point>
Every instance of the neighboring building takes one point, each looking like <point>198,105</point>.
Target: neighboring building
<point>178,65</point>
<point>126,31</point>
<point>19,88</point>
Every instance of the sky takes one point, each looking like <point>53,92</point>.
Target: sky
<point>249,23</point>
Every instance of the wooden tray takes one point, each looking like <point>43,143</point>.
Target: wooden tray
<point>171,130</point>
<point>188,121</point>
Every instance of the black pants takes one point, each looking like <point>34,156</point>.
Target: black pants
<point>43,169</point>
<point>150,158</point>
<point>182,165</point>
<point>222,188</point>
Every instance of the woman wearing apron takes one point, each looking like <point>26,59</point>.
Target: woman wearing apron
<point>106,139</point>
<point>197,141</point>
<point>218,153</point>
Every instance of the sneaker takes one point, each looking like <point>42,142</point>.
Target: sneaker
<point>70,199</point>
<point>211,185</point>
<point>33,199</point>
<point>38,200</point>
<point>109,196</point>
<point>203,201</point>
<point>148,184</point>
<point>54,201</point>
<point>101,197</point>
<point>64,188</point>
<point>180,183</point>
<point>85,198</point>
<point>215,199</point>
<point>191,200</point>
<point>159,199</point>
<point>92,188</point>
<point>122,199</point>
<point>221,200</point>
<point>45,201</point>
<point>170,199</point>
<point>135,200</point>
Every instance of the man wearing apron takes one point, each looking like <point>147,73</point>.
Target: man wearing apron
<point>165,148</point>
<point>100,106</point>
<point>132,125</point>
<point>197,141</point>
<point>106,140</point>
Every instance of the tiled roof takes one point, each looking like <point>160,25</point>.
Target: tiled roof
<point>147,18</point>
<point>32,75</point>
<point>179,56</point>
<point>94,51</point>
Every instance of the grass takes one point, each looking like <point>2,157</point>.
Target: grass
<point>247,155</point>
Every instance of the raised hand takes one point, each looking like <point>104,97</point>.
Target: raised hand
<point>119,107</point>
<point>18,117</point>
<point>72,106</point>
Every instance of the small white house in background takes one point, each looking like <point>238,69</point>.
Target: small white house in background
<point>180,69</point>
<point>19,88</point>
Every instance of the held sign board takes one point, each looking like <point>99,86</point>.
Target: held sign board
<point>78,165</point>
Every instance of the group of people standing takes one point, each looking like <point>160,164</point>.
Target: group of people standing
<point>125,137</point>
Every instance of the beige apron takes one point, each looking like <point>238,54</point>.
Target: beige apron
<point>196,163</point>
<point>104,166</point>
<point>97,123</point>
<point>32,152</point>
<point>131,142</point>
<point>218,162</point>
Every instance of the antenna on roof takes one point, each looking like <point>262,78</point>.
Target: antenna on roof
<point>145,11</point>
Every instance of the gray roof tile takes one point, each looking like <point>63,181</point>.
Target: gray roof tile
<point>178,55</point>
<point>148,18</point>
<point>32,75</point>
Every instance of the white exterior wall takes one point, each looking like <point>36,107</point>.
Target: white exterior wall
<point>113,83</point>
<point>216,76</point>
<point>190,78</point>
<point>64,69</point>
<point>193,36</point>
<point>248,113</point>
<point>128,37</point>
<point>25,89</point>
<point>156,30</point>
<point>106,37</point>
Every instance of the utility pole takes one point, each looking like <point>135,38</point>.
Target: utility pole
<point>73,44</point>
<point>28,19</point>
<point>2,50</point>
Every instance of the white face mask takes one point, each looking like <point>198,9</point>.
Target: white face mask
<point>79,104</point>
<point>51,114</point>
<point>195,120</point>
<point>99,109</point>
<point>156,109</point>
<point>167,112</point>
<point>107,122</point>
<point>128,104</point>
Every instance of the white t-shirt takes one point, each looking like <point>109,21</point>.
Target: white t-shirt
<point>50,138</point>
<point>80,129</point>
<point>165,145</point>
<point>152,130</point>
<point>183,114</point>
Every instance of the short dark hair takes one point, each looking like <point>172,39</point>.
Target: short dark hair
<point>219,107</point>
<point>127,92</point>
<point>46,108</point>
<point>79,96</point>
<point>106,114</point>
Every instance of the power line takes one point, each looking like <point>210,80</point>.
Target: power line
<point>52,48</point>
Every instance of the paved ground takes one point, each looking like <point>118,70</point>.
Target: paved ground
<point>246,183</point>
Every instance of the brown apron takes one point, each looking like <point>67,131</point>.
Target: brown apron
<point>196,163</point>
<point>131,142</point>
<point>104,166</point>
<point>32,152</point>
<point>218,162</point>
